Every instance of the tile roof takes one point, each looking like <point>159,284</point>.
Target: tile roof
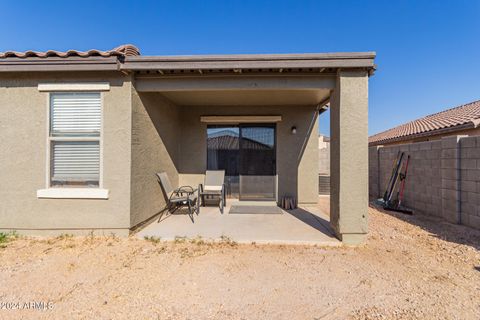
<point>228,142</point>
<point>458,118</point>
<point>123,50</point>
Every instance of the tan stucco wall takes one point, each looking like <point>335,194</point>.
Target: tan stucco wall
<point>349,157</point>
<point>308,165</point>
<point>297,155</point>
<point>155,146</point>
<point>23,127</point>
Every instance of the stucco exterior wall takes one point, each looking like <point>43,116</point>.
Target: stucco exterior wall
<point>349,157</point>
<point>308,164</point>
<point>155,148</point>
<point>297,155</point>
<point>23,156</point>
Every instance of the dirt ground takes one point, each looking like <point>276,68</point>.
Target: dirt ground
<point>411,268</point>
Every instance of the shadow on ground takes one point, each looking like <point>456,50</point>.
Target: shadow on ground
<point>165,214</point>
<point>439,228</point>
<point>312,220</point>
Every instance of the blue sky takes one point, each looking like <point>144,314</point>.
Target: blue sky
<point>428,52</point>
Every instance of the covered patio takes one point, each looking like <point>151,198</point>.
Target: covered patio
<point>305,225</point>
<point>273,101</point>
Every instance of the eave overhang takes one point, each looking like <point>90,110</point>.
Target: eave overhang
<point>258,63</point>
<point>201,64</point>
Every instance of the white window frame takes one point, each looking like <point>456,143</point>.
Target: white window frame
<point>76,192</point>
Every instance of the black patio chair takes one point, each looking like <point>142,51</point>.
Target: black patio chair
<point>184,196</point>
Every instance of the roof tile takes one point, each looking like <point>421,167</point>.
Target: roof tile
<point>123,50</point>
<point>429,125</point>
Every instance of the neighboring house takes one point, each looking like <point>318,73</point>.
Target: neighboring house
<point>83,133</point>
<point>323,165</point>
<point>461,120</point>
<point>323,155</point>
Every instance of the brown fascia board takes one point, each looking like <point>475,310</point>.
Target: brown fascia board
<point>465,126</point>
<point>59,64</point>
<point>270,61</point>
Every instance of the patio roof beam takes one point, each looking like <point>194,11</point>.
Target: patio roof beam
<point>251,61</point>
<point>284,64</point>
<point>240,119</point>
<point>238,82</point>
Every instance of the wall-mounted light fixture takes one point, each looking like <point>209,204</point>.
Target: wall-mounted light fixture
<point>294,130</point>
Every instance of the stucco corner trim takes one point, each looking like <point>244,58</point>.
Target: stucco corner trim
<point>72,193</point>
<point>84,86</point>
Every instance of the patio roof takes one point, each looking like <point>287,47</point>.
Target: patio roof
<point>248,63</point>
<point>127,58</point>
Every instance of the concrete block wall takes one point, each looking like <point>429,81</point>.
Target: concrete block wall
<point>373,173</point>
<point>470,181</point>
<point>443,177</point>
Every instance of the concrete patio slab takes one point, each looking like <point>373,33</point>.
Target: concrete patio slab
<point>305,225</point>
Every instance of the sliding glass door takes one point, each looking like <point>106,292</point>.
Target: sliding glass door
<point>257,162</point>
<point>247,153</point>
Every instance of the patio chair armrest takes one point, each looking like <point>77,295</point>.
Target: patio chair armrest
<point>172,196</point>
<point>185,189</point>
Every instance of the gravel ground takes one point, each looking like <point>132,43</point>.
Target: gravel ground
<point>411,268</point>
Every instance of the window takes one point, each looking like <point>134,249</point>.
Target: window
<point>74,139</point>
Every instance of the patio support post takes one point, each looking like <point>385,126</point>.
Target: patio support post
<point>349,156</point>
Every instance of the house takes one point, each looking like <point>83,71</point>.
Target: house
<point>323,164</point>
<point>83,133</point>
<point>323,155</point>
<point>461,120</point>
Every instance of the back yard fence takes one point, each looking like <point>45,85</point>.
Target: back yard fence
<point>443,177</point>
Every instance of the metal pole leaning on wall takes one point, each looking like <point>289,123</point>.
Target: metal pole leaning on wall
<point>379,188</point>
<point>392,176</point>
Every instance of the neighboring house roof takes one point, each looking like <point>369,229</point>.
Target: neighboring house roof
<point>324,138</point>
<point>228,142</point>
<point>463,117</point>
<point>127,58</point>
<point>123,50</point>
